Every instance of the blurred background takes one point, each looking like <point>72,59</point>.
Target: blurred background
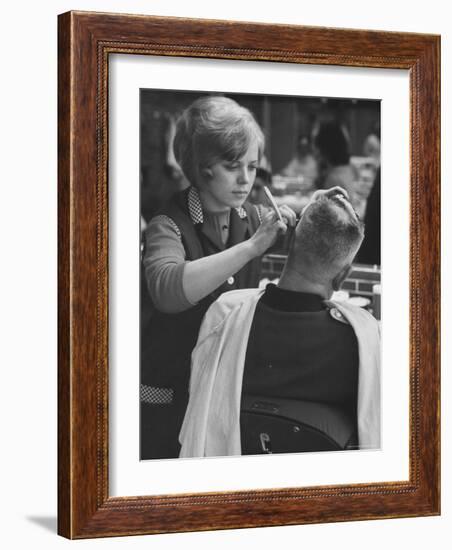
<point>311,143</point>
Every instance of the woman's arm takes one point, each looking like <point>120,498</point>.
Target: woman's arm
<point>164,261</point>
<point>176,284</point>
<point>203,276</point>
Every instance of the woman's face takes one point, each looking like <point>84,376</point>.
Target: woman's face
<point>227,184</point>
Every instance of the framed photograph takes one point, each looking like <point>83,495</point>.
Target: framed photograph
<point>248,275</point>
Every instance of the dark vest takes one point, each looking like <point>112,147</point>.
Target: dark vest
<point>168,339</point>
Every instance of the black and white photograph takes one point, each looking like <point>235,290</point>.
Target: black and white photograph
<point>225,231</point>
<point>260,274</point>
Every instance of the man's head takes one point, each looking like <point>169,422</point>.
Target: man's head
<point>326,239</point>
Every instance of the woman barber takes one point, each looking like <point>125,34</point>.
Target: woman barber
<point>206,241</point>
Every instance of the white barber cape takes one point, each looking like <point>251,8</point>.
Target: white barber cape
<point>211,425</point>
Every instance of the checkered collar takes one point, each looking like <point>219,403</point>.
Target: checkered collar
<point>195,207</point>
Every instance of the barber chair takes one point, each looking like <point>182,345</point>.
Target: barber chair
<point>274,425</point>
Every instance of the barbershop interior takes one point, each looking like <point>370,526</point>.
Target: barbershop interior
<point>303,137</point>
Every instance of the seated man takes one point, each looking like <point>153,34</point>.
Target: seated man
<point>289,341</point>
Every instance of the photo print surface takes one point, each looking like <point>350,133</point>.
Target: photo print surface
<point>259,274</point>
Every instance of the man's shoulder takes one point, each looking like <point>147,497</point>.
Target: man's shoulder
<point>352,314</point>
<point>227,312</point>
<point>236,297</point>
<point>230,302</point>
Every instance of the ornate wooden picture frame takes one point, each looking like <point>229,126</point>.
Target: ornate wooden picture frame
<point>86,40</point>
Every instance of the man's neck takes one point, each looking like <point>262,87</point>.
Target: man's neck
<point>299,282</point>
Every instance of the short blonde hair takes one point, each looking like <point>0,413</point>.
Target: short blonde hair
<point>211,129</point>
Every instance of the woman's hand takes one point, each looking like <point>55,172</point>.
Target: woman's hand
<point>267,232</point>
<point>270,227</point>
<point>288,215</point>
<point>202,276</point>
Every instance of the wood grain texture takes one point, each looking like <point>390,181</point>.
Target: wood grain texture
<point>64,296</point>
<point>85,42</point>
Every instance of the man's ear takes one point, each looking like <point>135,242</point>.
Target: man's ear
<point>341,276</point>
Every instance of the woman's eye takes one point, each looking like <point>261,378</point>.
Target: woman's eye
<point>237,166</point>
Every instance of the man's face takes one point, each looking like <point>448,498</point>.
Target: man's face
<point>338,196</point>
